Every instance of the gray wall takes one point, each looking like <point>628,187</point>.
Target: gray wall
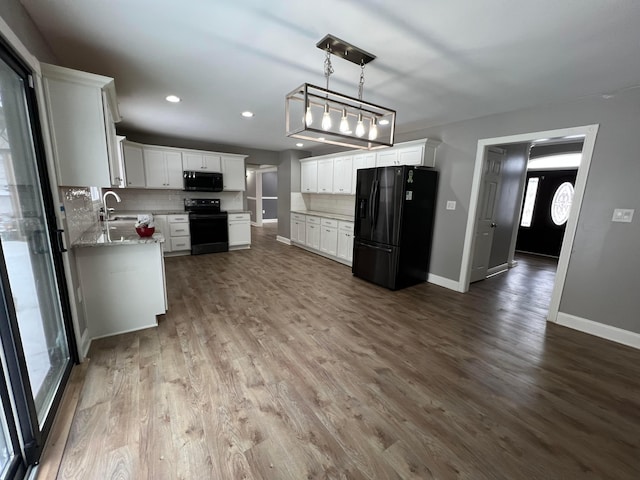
<point>251,183</point>
<point>601,283</point>
<point>269,184</point>
<point>270,209</point>
<point>288,182</point>
<point>14,15</point>
<point>509,201</point>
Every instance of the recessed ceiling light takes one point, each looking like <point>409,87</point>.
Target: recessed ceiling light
<point>299,144</point>
<point>247,114</point>
<point>172,98</point>
<point>383,122</point>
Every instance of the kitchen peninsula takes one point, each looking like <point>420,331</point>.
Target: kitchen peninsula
<point>122,278</point>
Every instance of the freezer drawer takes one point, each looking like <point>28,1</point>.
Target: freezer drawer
<point>376,263</point>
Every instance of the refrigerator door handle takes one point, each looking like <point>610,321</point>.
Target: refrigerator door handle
<point>371,196</point>
<point>375,203</point>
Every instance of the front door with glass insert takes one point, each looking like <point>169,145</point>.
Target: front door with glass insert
<point>545,211</point>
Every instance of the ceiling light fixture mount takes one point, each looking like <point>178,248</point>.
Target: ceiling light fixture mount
<point>343,120</point>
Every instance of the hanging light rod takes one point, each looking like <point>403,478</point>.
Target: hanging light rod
<point>345,50</point>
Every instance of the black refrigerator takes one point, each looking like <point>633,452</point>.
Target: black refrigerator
<point>394,225</point>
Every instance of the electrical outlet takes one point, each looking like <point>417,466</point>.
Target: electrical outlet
<point>624,215</point>
<point>451,205</point>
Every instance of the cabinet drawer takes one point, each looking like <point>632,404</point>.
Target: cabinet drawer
<point>177,218</point>
<point>312,219</point>
<point>179,229</point>
<point>345,226</point>
<point>239,216</point>
<point>180,243</point>
<point>329,222</point>
<point>298,216</point>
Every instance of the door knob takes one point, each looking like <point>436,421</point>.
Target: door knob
<point>493,225</point>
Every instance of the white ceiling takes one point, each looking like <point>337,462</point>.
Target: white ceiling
<point>438,61</point>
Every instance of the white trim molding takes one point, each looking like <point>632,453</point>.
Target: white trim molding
<point>497,269</point>
<point>590,132</point>
<point>284,240</point>
<point>85,344</point>
<point>615,334</point>
<point>444,282</point>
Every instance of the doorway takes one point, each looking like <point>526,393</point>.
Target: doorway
<point>262,194</point>
<point>587,132</point>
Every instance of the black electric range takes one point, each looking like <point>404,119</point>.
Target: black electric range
<point>208,225</point>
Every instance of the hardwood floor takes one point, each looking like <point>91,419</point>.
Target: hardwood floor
<point>275,363</point>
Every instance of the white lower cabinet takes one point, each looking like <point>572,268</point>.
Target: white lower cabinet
<point>312,230</point>
<point>329,236</point>
<point>179,234</point>
<point>345,241</point>
<point>298,226</point>
<point>239,230</point>
<point>323,235</point>
<point>162,226</point>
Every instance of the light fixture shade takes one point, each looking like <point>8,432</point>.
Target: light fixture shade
<point>319,100</point>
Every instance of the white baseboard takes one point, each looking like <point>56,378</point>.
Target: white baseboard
<point>284,240</point>
<point>130,330</point>
<point>269,220</point>
<point>601,330</point>
<point>497,269</point>
<point>444,282</point>
<point>513,263</point>
<point>85,344</point>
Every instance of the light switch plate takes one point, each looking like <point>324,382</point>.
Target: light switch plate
<point>451,205</point>
<point>624,215</point>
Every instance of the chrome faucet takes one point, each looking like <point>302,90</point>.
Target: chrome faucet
<point>104,203</point>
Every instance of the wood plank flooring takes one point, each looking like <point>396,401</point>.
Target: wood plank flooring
<point>275,363</point>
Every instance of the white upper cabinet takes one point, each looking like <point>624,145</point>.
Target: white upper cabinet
<point>387,158</point>
<point>420,152</point>
<point>81,121</point>
<point>162,168</point>
<point>343,175</point>
<point>337,173</point>
<point>360,161</point>
<point>325,175</point>
<point>201,162</point>
<point>116,162</point>
<point>133,164</point>
<point>233,173</point>
<point>309,176</point>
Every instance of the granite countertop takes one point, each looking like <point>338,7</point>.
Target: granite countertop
<point>335,216</point>
<point>239,211</point>
<point>121,232</point>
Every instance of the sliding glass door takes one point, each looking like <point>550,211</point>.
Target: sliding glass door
<point>34,328</point>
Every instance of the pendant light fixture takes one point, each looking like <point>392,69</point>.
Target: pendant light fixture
<point>374,125</point>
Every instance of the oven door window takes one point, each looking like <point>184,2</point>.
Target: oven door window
<point>208,229</point>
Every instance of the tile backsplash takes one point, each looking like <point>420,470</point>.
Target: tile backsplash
<point>169,200</point>
<point>80,209</point>
<point>341,204</point>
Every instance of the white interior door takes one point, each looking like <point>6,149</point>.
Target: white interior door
<point>485,228</point>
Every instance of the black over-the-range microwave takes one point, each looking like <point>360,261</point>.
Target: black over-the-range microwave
<point>202,181</point>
